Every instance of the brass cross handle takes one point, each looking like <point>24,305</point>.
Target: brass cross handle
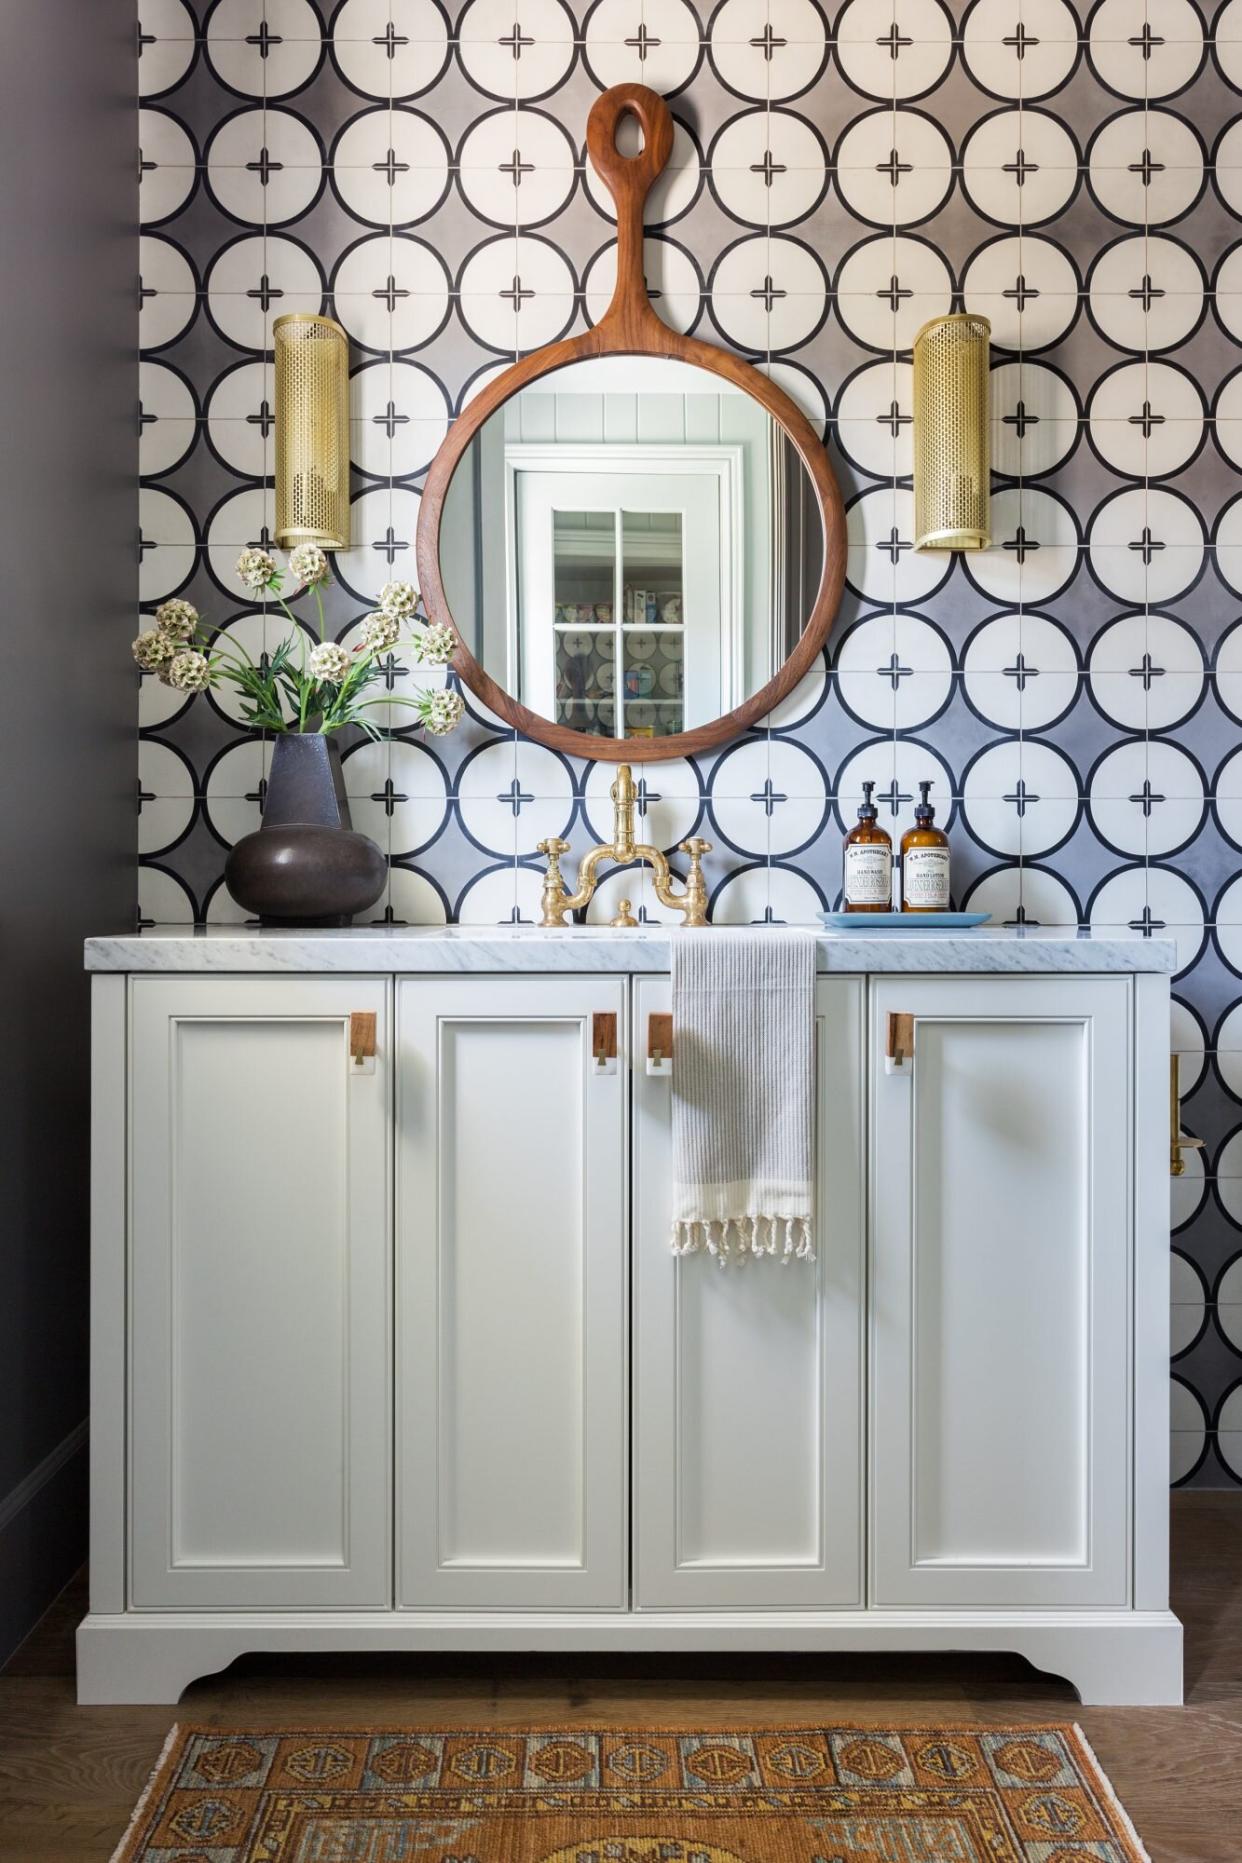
<point>553,895</point>
<point>696,847</point>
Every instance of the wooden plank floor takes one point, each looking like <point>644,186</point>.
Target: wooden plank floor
<point>69,1776</point>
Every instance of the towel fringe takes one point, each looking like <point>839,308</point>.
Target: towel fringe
<point>737,1237</point>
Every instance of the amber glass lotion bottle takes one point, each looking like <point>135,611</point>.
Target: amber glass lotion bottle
<point>925,861</point>
<point>867,878</point>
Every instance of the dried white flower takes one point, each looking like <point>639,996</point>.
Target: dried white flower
<point>256,568</point>
<point>308,565</point>
<point>190,672</point>
<point>444,710</point>
<point>380,631</point>
<point>153,650</point>
<point>177,619</point>
<point>436,645</point>
<point>398,598</point>
<point>330,661</point>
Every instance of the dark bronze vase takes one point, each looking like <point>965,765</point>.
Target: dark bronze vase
<point>306,865</point>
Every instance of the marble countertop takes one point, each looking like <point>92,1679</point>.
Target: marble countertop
<point>483,948</point>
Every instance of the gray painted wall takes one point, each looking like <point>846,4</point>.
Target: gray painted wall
<point>68,463</point>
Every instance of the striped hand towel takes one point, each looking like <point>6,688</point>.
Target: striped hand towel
<point>743,1092</point>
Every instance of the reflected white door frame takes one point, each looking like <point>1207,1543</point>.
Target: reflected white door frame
<point>703,483</point>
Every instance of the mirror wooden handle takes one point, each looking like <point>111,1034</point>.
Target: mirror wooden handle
<point>628,179</point>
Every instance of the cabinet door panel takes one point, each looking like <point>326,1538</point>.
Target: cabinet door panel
<point>260,1246</point>
<point>1001,1293</point>
<point>512,1290</point>
<point>748,1379</point>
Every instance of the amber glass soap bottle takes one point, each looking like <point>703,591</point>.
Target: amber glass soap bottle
<point>924,861</point>
<point>867,881</point>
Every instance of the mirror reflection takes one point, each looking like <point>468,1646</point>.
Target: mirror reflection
<point>631,546</point>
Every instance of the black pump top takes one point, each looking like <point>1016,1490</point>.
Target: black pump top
<point>867,811</point>
<point>924,813</point>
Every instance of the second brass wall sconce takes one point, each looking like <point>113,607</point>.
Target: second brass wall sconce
<point>952,440</point>
<point>312,432</point>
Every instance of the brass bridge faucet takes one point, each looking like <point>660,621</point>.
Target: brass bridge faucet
<point>623,849</point>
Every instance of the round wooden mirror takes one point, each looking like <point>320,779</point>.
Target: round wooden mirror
<point>636,536</point>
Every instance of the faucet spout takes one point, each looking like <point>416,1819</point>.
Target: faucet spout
<point>624,796</point>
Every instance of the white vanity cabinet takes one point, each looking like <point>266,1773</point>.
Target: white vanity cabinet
<point>258,1408</point>
<point>749,1415</point>
<point>394,1354</point>
<point>1001,1293</point>
<point>512,1276</point>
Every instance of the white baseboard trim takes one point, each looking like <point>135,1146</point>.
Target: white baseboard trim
<point>19,1498</point>
<point>1114,1657</point>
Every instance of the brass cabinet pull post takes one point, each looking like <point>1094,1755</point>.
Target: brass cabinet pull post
<point>1178,1143</point>
<point>604,1042</point>
<point>659,1043</point>
<point>362,1038</point>
<point>899,1040</point>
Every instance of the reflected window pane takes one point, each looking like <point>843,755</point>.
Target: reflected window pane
<point>584,555</point>
<point>652,577</point>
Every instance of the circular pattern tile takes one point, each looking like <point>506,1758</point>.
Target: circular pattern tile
<point>769,293</point>
<point>1021,670</point>
<point>768,168</point>
<point>390,167</point>
<point>661,48</point>
<point>1027,288</point>
<point>1146,292</point>
<point>1020,798</point>
<point>264,167</point>
<point>1158,59</point>
<point>168,166</point>
<point>887,287</point>
<point>894,167</point>
<point>1146,167</point>
<point>1146,799</point>
<point>169,416</point>
<point>512,59</point>
<point>1151,902</point>
<point>1020,167</point>
<point>166,47</point>
<point>896,52</point>
<point>516,168</point>
<point>168,288</point>
<point>1146,419</point>
<point>390,48</point>
<point>1146,671</point>
<point>515,293</point>
<point>255,280</point>
<point>271,57</point>
<point>1035,419</point>
<point>1020,48</point>
<point>1034,549</point>
<point>398,416</point>
<point>391,294</point>
<point>894,671</point>
<point>1146,545</point>
<point>763,61</point>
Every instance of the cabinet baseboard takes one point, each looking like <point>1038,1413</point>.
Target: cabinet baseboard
<point>1115,1658</point>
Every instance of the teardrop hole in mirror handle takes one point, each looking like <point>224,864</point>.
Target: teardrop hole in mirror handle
<point>625,175</point>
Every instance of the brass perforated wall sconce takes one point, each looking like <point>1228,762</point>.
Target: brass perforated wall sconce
<point>952,462</point>
<point>312,432</point>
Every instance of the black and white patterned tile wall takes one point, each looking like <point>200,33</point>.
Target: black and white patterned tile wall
<point>841,173</point>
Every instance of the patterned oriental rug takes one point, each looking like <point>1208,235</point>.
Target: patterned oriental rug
<point>944,1794</point>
